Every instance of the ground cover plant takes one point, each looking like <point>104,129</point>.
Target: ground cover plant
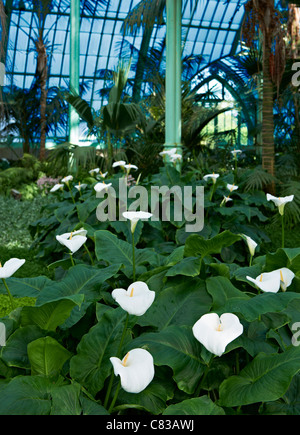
<point>141,317</point>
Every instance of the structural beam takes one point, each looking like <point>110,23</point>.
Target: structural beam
<point>74,68</point>
<point>173,76</point>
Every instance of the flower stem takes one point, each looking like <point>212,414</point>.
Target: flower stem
<point>111,381</point>
<point>282,220</point>
<point>250,261</point>
<point>133,257</point>
<point>70,190</point>
<point>9,294</point>
<point>89,254</point>
<point>204,377</point>
<point>72,261</point>
<point>115,397</point>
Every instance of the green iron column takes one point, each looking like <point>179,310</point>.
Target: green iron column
<point>173,76</point>
<point>74,68</point>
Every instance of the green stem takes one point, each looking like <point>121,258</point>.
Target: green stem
<point>9,294</point>
<point>133,257</point>
<point>111,381</point>
<point>72,261</point>
<point>212,191</point>
<point>89,254</point>
<point>282,220</point>
<point>71,193</point>
<point>204,377</point>
<point>115,397</point>
<point>250,262</point>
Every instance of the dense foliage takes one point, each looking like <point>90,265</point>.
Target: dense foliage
<point>57,354</point>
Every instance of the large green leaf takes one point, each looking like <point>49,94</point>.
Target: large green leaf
<point>221,290</point>
<point>110,248</point>
<point>52,314</point>
<point>91,366</point>
<point>80,279</point>
<point>266,378</point>
<point>29,287</point>
<point>66,400</point>
<point>14,354</point>
<point>176,348</point>
<point>182,302</point>
<point>47,356</point>
<point>189,266</point>
<point>26,395</point>
<point>198,246</point>
<point>196,406</point>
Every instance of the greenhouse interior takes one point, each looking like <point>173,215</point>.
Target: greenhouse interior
<point>150,209</point>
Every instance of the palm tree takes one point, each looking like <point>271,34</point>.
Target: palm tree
<point>262,13</point>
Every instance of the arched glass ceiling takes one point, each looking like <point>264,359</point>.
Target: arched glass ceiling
<point>210,30</point>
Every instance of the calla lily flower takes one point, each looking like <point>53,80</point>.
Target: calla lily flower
<point>280,202</point>
<point>169,152</point>
<point>273,281</point>
<point>67,179</point>
<point>232,187</point>
<point>136,370</point>
<point>136,299</point>
<point>103,174</point>
<point>251,244</point>
<point>235,152</point>
<point>175,157</point>
<point>100,186</point>
<point>73,241</point>
<point>213,176</point>
<point>56,188</point>
<point>10,267</point>
<point>94,171</point>
<point>130,166</point>
<point>215,332</point>
<point>226,199</point>
<point>121,163</point>
<point>135,216</point>
<point>80,186</point>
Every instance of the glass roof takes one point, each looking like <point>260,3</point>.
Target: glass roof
<point>209,29</point>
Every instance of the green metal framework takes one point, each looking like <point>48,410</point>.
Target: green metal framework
<point>209,29</point>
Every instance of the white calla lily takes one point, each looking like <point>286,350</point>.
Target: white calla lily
<point>136,370</point>
<point>103,174</point>
<point>10,267</point>
<point>232,187</point>
<point>213,176</point>
<point>135,216</point>
<point>94,171</point>
<point>121,163</point>
<point>74,240</point>
<point>273,281</point>
<point>80,186</point>
<point>235,152</point>
<point>169,152</point>
<point>101,186</point>
<point>136,299</point>
<point>280,202</point>
<point>251,244</point>
<point>67,179</point>
<point>215,332</point>
<point>56,187</point>
<point>130,166</point>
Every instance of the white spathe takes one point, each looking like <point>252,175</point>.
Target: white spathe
<point>251,244</point>
<point>73,241</point>
<point>94,171</point>
<point>232,187</point>
<point>135,216</point>
<point>10,267</point>
<point>273,281</point>
<point>119,163</point>
<point>215,332</point>
<point>212,176</point>
<point>136,299</point>
<point>81,186</point>
<point>136,370</point>
<point>67,179</point>
<point>56,187</point>
<point>101,186</point>
<point>280,202</point>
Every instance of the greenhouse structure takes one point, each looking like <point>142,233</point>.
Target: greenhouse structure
<point>149,210</point>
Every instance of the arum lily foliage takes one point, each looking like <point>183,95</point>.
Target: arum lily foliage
<point>149,317</point>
